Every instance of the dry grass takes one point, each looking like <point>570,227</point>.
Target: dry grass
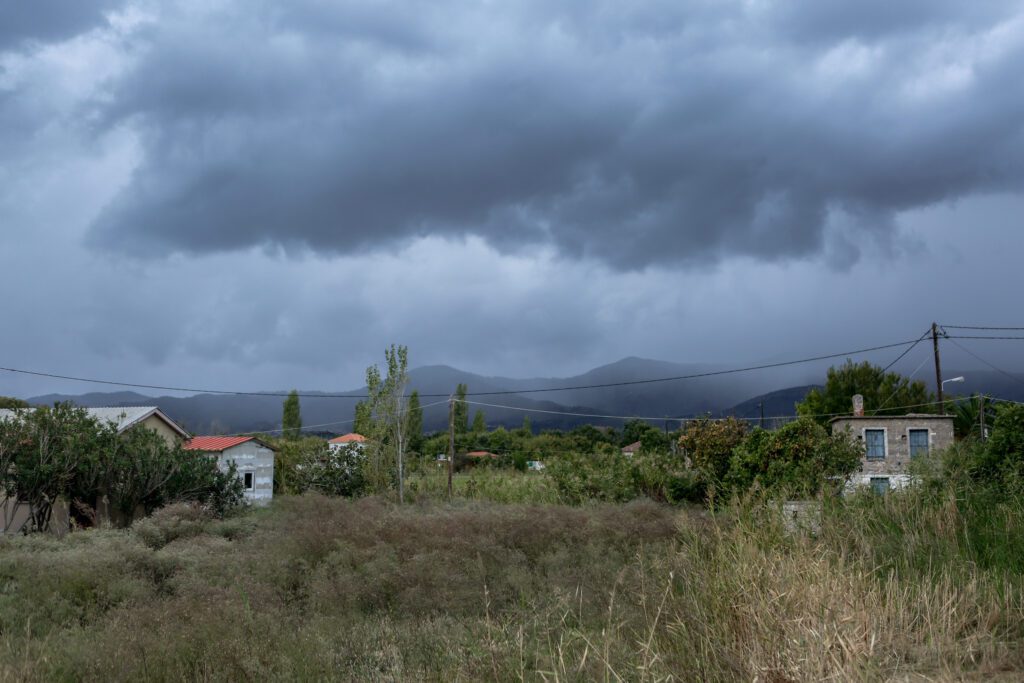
<point>320,588</point>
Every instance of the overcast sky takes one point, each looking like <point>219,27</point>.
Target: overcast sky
<point>257,195</point>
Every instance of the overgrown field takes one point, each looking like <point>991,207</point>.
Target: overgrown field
<point>925,586</point>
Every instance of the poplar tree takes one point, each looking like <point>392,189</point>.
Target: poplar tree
<point>415,421</point>
<point>479,423</point>
<point>291,419</point>
<point>461,410</point>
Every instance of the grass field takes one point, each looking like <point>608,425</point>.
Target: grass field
<point>897,588</point>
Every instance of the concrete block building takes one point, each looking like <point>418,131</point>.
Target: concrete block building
<point>254,462</point>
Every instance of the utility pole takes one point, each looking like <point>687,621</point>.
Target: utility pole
<point>938,368</point>
<point>451,443</point>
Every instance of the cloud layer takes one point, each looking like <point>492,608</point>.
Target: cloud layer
<point>634,134</point>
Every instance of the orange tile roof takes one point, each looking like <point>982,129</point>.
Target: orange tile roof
<point>212,444</point>
<point>481,454</point>
<point>348,438</point>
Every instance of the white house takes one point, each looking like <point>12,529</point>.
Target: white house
<point>254,462</point>
<point>351,439</point>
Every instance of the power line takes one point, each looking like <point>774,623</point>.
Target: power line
<point>322,424</point>
<point>679,419</point>
<point>978,327</point>
<point>997,369</point>
<point>713,373</point>
<point>908,350</point>
<point>968,336</point>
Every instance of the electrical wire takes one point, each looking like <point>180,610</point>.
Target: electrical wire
<point>679,419</point>
<point>713,373</point>
<point>976,356</point>
<point>978,327</point>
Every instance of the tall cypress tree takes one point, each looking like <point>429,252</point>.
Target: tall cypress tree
<point>415,422</point>
<point>291,419</point>
<point>461,410</point>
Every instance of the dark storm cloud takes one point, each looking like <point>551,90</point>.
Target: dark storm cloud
<point>636,136</point>
<point>45,21</point>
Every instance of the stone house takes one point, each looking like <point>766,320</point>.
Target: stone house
<point>891,442</point>
<point>254,462</point>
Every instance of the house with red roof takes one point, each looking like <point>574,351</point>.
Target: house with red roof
<point>350,440</point>
<point>253,459</point>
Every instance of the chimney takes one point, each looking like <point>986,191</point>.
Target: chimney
<point>858,405</point>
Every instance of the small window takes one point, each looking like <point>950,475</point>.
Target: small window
<point>875,441</point>
<point>918,442</point>
<point>880,485</point>
<point>249,480</point>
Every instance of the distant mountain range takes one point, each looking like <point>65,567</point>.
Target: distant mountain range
<point>719,395</point>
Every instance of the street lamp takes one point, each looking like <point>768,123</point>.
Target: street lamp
<point>942,404</point>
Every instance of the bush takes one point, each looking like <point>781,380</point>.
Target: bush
<point>797,459</point>
<point>332,471</point>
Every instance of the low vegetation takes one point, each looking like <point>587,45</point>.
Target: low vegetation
<point>927,582</point>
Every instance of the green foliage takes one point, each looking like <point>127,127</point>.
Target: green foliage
<point>527,426</point>
<point>634,430</point>
<point>386,443</point>
<point>885,393</point>
<point>333,471</point>
<point>966,414</point>
<point>461,409</point>
<point>291,418</point>
<point>45,452</point>
<point>60,453</point>
<point>415,422</point>
<point>479,422</point>
<point>364,419</point>
<point>799,459</point>
<point>603,476</point>
<point>11,403</point>
<point>1000,460</point>
<point>709,445</point>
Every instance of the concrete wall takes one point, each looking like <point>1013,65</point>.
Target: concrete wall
<point>897,443</point>
<point>257,459</point>
<point>153,422</point>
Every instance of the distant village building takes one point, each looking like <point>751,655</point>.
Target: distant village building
<point>481,454</point>
<point>891,442</point>
<point>254,462</point>
<point>347,441</point>
<point>632,449</point>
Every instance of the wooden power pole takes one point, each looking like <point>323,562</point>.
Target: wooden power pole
<point>451,443</point>
<point>938,368</point>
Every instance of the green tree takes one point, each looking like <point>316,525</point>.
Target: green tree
<point>291,419</point>
<point>479,422</point>
<point>709,445</point>
<point>388,440</point>
<point>461,410</point>
<point>798,459</point>
<point>11,403</point>
<point>527,425</point>
<point>415,422</point>
<point>885,393</point>
<point>967,416</point>
<point>364,418</point>
<point>1001,459</point>
<point>53,443</point>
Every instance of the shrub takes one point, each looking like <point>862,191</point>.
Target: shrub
<point>332,471</point>
<point>798,459</point>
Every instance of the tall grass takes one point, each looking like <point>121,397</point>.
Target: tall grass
<point>317,588</point>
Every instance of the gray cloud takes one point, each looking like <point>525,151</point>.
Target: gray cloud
<point>604,133</point>
<point>47,21</point>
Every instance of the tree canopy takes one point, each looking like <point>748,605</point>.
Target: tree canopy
<point>885,393</point>
<point>291,418</point>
